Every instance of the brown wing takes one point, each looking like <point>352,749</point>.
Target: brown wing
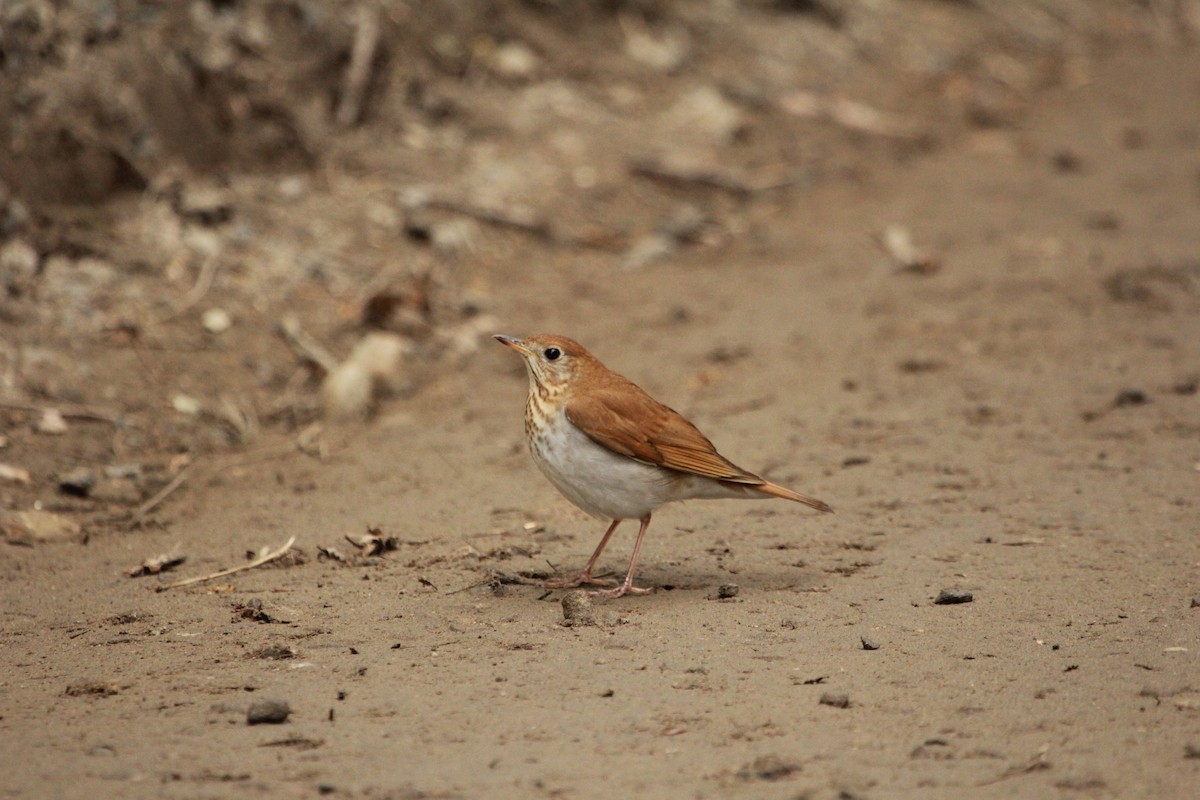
<point>628,421</point>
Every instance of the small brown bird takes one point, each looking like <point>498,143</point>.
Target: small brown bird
<point>615,451</point>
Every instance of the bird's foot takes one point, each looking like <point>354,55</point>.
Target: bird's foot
<point>617,591</point>
<point>582,579</point>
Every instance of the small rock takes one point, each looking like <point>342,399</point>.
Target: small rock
<point>685,223</point>
<point>346,392</point>
<point>577,609</point>
<point>767,768</point>
<point>1131,397</point>
<point>665,53</point>
<point>28,527</point>
<point>205,205</point>
<point>455,236</point>
<point>15,474</point>
<point>1067,161</point>
<point>1196,602</point>
<point>727,591</point>
<point>95,688</point>
<point>131,471</point>
<point>381,356</point>
<point>78,482</point>
<point>949,597</point>
<point>186,404</point>
<point>18,266</point>
<point>868,643</point>
<point>514,61</point>
<point>216,320</point>
<point>649,248</point>
<point>374,367</point>
<point>896,240</point>
<point>835,699</point>
<point>704,112</point>
<point>268,712</point>
<point>51,423</point>
<point>1191,751</point>
<point>275,652</point>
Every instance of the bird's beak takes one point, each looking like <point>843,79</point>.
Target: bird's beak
<point>514,343</point>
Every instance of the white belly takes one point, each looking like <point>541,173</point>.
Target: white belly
<point>612,486</point>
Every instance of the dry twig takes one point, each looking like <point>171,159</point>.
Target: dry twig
<point>304,345</point>
<point>500,219</point>
<point>204,281</point>
<point>145,508</point>
<point>681,175</point>
<point>156,565</point>
<point>849,114</point>
<point>258,562</point>
<point>358,71</point>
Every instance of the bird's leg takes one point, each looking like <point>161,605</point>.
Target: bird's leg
<point>627,587</point>
<point>586,575</point>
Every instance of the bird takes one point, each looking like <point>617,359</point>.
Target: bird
<point>616,452</point>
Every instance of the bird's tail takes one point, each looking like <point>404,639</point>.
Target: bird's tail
<point>787,494</point>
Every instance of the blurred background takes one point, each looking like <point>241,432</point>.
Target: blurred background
<point>224,217</point>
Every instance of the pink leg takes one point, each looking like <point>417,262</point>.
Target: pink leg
<point>586,575</point>
<point>627,587</point>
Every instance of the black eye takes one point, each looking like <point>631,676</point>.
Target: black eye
<point>552,353</point>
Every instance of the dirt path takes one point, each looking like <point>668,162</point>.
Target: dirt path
<point>1022,423</point>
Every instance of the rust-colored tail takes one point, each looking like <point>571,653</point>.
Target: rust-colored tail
<point>787,494</point>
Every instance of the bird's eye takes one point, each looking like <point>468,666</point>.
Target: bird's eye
<point>552,353</point>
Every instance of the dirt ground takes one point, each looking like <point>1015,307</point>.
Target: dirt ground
<point>1011,410</point>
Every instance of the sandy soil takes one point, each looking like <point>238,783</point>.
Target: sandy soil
<point>1020,421</point>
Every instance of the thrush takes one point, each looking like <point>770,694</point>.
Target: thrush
<point>616,452</point>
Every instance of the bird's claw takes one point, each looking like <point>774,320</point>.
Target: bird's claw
<point>579,580</point>
<point>617,591</point>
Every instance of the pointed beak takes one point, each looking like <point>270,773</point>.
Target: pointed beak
<point>514,343</point>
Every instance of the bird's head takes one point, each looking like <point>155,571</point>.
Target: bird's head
<point>550,360</point>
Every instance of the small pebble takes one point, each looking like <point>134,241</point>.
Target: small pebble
<point>18,265</point>
<point>768,768</point>
<point>835,699</point>
<point>948,597</point>
<point>13,473</point>
<point>380,355</point>
<point>577,609</point>
<point>52,423</point>
<point>515,61</point>
<point>1131,397</point>
<point>131,471</point>
<point>346,393</point>
<point>217,320</point>
<point>186,404</point>
<point>270,712</point>
<point>869,644</point>
<point>1196,602</point>
<point>728,591</point>
<point>78,481</point>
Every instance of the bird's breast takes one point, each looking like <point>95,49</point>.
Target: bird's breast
<point>602,483</point>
